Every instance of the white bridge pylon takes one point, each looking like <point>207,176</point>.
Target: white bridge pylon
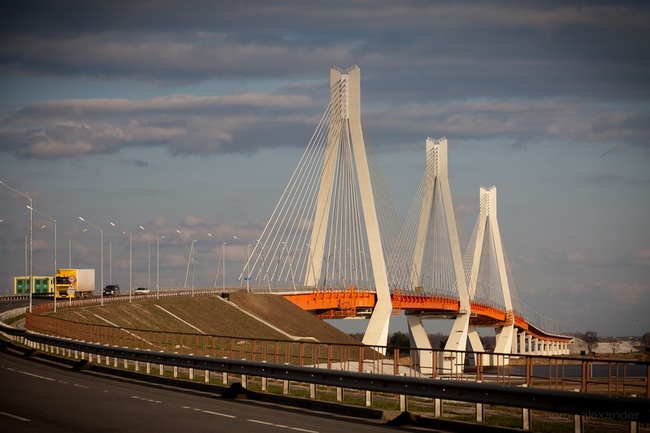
<point>487,274</point>
<point>334,222</point>
<point>344,136</point>
<point>437,261</point>
<point>335,228</point>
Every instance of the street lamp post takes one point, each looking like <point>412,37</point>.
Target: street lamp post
<point>70,249</point>
<point>101,260</point>
<point>130,258</point>
<point>190,261</point>
<point>54,275</point>
<point>245,272</point>
<point>223,266</point>
<point>31,233</point>
<point>248,268</point>
<point>157,261</point>
<point>293,283</point>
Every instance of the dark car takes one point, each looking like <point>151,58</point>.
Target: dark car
<point>112,290</point>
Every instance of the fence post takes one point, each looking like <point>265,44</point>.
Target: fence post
<point>480,412</point>
<point>578,423</point>
<point>403,404</point>
<point>526,419</point>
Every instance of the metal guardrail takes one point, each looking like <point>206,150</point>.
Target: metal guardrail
<point>636,409</point>
<point>13,297</point>
<point>568,373</point>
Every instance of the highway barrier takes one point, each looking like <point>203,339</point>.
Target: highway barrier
<point>580,405</point>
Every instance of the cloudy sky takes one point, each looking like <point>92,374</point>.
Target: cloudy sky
<point>192,115</point>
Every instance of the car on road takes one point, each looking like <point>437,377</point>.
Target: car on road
<point>111,290</point>
<point>142,291</point>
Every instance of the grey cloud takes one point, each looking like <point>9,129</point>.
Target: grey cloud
<point>246,123</point>
<point>424,50</point>
<point>521,72</point>
<point>136,162</point>
<point>183,124</point>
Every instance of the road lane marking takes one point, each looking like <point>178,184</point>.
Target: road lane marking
<point>150,400</point>
<point>257,421</point>
<point>31,374</point>
<point>19,418</point>
<point>209,412</point>
<point>218,414</point>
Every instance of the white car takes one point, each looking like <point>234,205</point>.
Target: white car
<point>141,291</point>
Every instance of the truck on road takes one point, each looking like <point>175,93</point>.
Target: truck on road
<point>75,283</point>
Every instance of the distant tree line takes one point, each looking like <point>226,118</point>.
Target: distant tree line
<point>646,339</point>
<point>590,338</point>
<point>401,340</point>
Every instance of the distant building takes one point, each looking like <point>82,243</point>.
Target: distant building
<point>609,347</point>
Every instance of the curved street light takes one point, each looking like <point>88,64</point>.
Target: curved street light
<point>31,233</point>
<point>101,259</point>
<point>54,275</point>
<point>190,260</point>
<point>130,258</point>
<point>157,260</point>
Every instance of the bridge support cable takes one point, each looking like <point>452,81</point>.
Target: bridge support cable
<point>487,275</point>
<point>436,262</point>
<point>490,284</point>
<point>335,221</point>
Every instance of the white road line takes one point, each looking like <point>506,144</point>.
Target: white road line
<point>19,418</point>
<point>257,421</point>
<point>209,412</point>
<point>150,400</point>
<point>218,414</point>
<point>31,374</point>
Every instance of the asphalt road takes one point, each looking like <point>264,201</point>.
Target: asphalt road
<point>36,396</point>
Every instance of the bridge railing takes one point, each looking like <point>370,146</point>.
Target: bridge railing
<point>608,376</point>
<point>582,406</point>
<point>496,385</point>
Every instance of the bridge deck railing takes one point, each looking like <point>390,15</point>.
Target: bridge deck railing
<point>477,388</point>
<point>603,376</point>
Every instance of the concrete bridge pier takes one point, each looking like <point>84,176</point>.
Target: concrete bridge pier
<point>423,359</point>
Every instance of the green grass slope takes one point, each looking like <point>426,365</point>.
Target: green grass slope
<point>269,317</point>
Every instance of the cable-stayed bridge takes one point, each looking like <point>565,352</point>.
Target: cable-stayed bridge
<point>334,245</point>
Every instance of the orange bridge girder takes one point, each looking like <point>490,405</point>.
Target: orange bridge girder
<point>351,302</point>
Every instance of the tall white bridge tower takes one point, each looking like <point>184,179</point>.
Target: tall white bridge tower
<point>334,223</point>
<point>437,260</point>
<point>345,137</point>
<point>334,230</point>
